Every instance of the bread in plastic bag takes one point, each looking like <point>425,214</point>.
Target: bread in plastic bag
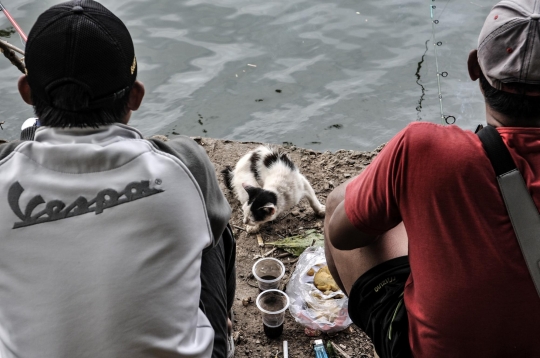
<point>312,308</point>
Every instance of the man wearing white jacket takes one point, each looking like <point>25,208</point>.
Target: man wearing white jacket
<point>112,245</point>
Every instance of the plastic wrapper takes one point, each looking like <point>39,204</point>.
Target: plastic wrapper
<point>312,308</point>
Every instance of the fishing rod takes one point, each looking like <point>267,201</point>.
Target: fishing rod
<point>8,49</point>
<point>14,23</point>
<point>445,118</point>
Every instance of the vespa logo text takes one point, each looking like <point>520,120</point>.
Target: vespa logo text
<point>57,210</point>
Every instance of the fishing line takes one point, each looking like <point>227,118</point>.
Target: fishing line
<point>445,118</point>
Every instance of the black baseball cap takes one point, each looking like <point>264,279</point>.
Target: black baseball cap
<point>81,42</point>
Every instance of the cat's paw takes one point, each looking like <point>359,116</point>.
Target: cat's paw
<point>321,211</point>
<point>252,229</point>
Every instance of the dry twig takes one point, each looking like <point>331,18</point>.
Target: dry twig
<point>239,228</point>
<point>260,240</point>
<point>340,350</point>
<point>5,48</point>
<point>12,47</point>
<point>270,252</point>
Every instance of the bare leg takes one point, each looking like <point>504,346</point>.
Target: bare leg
<point>347,266</point>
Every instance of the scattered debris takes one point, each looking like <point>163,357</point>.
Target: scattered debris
<point>297,244</point>
<point>312,332</point>
<point>251,65</point>
<point>236,337</point>
<point>239,228</point>
<point>278,91</point>
<point>246,301</point>
<point>270,252</point>
<point>285,254</point>
<point>339,350</point>
<point>260,240</point>
<point>321,169</point>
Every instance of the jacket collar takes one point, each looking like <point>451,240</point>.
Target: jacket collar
<point>101,135</point>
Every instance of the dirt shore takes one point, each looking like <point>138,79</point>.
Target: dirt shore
<point>324,171</point>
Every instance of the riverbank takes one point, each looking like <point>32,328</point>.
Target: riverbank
<point>324,171</point>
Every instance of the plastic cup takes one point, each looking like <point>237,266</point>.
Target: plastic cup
<point>273,304</point>
<point>268,272</point>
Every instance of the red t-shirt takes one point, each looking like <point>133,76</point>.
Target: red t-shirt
<point>469,293</point>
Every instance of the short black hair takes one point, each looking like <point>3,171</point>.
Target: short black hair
<point>516,105</point>
<point>69,108</point>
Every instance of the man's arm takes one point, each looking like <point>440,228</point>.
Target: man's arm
<point>202,169</point>
<point>340,232</point>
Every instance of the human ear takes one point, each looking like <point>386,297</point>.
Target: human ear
<point>24,89</point>
<point>135,96</point>
<point>473,65</point>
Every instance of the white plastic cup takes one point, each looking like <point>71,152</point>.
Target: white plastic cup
<point>268,272</point>
<point>273,304</point>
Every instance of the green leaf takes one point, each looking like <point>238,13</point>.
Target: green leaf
<point>298,243</point>
<point>7,32</point>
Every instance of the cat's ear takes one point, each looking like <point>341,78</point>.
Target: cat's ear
<point>251,190</point>
<point>270,209</point>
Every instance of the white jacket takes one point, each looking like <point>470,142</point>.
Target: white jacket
<point>101,236</point>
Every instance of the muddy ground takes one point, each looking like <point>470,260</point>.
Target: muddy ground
<point>324,171</point>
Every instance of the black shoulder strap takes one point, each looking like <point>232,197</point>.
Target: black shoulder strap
<point>496,150</point>
<point>521,208</point>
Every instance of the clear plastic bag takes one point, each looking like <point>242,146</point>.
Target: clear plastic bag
<point>309,306</point>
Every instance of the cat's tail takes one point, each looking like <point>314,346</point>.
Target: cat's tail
<point>227,174</point>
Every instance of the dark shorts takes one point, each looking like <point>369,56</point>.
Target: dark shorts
<point>376,306</point>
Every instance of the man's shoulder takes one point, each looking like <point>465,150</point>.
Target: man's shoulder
<point>183,148</point>
<point>425,136</point>
<point>435,130</point>
<point>6,148</point>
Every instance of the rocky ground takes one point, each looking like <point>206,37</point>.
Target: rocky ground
<point>324,171</point>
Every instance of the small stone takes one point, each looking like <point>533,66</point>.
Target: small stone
<point>246,301</point>
<point>312,332</point>
<point>347,175</point>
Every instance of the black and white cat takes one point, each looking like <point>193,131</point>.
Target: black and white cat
<point>267,183</point>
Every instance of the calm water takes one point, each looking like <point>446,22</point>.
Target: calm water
<point>319,74</point>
